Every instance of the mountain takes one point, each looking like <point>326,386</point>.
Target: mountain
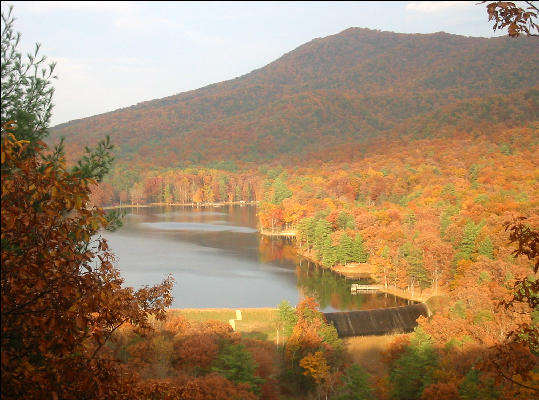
<point>338,90</point>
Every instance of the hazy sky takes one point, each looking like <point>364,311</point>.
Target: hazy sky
<point>116,54</point>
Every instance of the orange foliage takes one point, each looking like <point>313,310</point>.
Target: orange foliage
<point>62,298</point>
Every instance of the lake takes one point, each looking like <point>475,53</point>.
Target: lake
<point>218,259</point>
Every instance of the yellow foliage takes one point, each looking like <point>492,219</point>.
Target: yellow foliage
<point>315,366</point>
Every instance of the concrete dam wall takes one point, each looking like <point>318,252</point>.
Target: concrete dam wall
<point>377,322</point>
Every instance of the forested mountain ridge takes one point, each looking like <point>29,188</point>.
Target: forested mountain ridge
<point>331,91</point>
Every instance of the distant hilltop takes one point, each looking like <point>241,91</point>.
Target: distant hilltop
<point>342,90</point>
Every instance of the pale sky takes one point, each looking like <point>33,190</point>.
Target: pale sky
<point>116,54</point>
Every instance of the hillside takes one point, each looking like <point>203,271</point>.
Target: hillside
<point>332,91</point>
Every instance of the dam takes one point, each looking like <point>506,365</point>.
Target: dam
<point>377,322</point>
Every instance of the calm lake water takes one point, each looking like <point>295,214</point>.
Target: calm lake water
<point>218,259</point>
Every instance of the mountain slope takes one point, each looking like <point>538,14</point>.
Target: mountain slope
<point>331,91</point>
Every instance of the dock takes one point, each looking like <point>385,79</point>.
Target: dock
<point>357,288</point>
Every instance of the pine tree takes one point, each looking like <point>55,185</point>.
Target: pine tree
<point>322,229</point>
<point>359,253</point>
<point>236,364</point>
<point>415,271</point>
<point>410,219</point>
<point>356,385</point>
<point>467,244</point>
<point>287,317</point>
<point>413,371</point>
<point>345,221</point>
<point>486,248</point>
<point>345,250</point>
<point>27,91</point>
<point>306,229</point>
<point>329,253</point>
<point>280,191</point>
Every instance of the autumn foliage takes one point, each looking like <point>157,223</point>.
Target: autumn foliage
<point>329,97</point>
<point>414,184</point>
<point>62,297</point>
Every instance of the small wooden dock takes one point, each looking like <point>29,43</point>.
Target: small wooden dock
<point>357,288</point>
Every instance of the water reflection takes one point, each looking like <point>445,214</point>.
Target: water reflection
<point>331,290</point>
<point>219,260</point>
<point>195,226</point>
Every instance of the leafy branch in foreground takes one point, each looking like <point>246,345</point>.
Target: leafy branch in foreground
<point>62,297</point>
<point>517,20</point>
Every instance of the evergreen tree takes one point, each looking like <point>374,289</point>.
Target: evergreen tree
<point>322,229</point>
<point>385,251</point>
<point>167,193</point>
<point>280,191</point>
<point>311,229</point>
<point>467,243</point>
<point>444,224</point>
<point>329,253</point>
<point>306,228</point>
<point>410,219</point>
<point>26,94</point>
<point>223,187</point>
<point>445,220</point>
<point>356,385</point>
<point>413,371</point>
<point>486,248</point>
<point>287,317</point>
<point>473,387</point>
<point>345,250</point>
<point>359,253</point>
<point>345,221</point>
<point>416,271</point>
<point>236,364</point>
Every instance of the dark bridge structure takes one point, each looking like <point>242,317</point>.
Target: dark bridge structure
<point>377,322</point>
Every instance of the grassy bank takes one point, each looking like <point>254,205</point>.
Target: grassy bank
<point>258,323</point>
<point>367,351</point>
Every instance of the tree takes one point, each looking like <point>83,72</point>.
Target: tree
<point>328,253</point>
<point>236,364</point>
<point>26,87</point>
<point>416,270</point>
<point>486,248</point>
<point>359,253</point>
<point>315,366</point>
<point>345,249</point>
<point>280,191</point>
<point>517,20</point>
<point>287,317</point>
<point>467,244</point>
<point>413,371</point>
<point>311,334</point>
<point>345,221</point>
<point>322,231</point>
<point>356,385</point>
<point>524,340</point>
<point>62,297</point>
<point>526,238</point>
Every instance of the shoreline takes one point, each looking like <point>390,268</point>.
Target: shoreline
<point>288,233</point>
<point>210,309</point>
<point>357,271</point>
<point>197,205</point>
<point>350,271</point>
